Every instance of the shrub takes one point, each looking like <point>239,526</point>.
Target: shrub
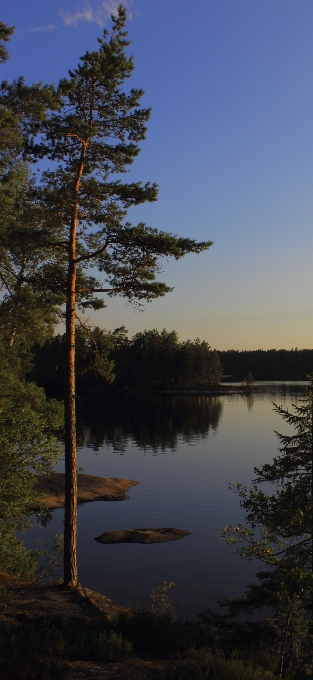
<point>156,634</point>
<point>35,651</point>
<point>202,664</point>
<point>87,641</point>
<point>42,648</point>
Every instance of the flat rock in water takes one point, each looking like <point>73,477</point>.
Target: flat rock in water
<point>154,535</point>
<point>89,488</point>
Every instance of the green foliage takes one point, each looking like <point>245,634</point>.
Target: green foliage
<point>150,360</point>
<point>94,134</point>
<point>279,533</point>
<point>160,600</point>
<point>156,634</point>
<point>93,359</point>
<point>49,558</point>
<point>153,360</point>
<point>96,640</point>
<point>202,664</point>
<point>35,651</point>
<point>28,308</point>
<point>5,35</point>
<point>42,648</point>
<point>27,445</point>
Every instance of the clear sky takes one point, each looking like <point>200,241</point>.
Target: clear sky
<point>230,143</point>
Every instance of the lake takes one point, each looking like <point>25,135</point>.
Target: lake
<point>184,451</point>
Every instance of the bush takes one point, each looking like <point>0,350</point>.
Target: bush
<point>202,664</point>
<point>35,651</point>
<point>42,648</point>
<point>87,641</point>
<point>156,634</point>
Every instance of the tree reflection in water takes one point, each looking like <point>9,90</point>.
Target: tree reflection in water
<point>151,422</point>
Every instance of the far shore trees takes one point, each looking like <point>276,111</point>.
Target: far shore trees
<point>90,135</point>
<point>150,360</point>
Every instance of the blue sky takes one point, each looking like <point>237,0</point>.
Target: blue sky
<point>230,143</point>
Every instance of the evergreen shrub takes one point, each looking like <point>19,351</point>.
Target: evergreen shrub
<point>42,648</point>
<point>155,634</point>
<point>202,664</point>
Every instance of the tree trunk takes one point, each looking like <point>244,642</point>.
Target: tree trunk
<point>283,649</point>
<point>70,509</point>
<point>70,517</point>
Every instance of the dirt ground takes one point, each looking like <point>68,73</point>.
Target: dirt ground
<point>132,669</point>
<point>22,600</point>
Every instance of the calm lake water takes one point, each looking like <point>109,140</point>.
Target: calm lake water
<point>184,451</point>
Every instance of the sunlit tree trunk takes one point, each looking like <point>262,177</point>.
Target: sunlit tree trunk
<point>70,518</point>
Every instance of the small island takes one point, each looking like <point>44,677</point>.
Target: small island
<point>154,535</point>
<point>90,488</point>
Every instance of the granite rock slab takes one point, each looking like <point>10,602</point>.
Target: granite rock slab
<point>89,488</point>
<point>153,535</point>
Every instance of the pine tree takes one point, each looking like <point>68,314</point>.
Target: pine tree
<point>94,136</point>
<point>27,306</point>
<point>279,532</point>
<point>27,309</point>
<point>5,35</point>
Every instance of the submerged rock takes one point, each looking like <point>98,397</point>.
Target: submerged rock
<point>89,488</point>
<point>154,535</point>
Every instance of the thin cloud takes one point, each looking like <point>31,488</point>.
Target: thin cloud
<point>38,29</point>
<point>97,15</point>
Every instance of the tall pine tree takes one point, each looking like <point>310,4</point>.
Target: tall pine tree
<point>93,137</point>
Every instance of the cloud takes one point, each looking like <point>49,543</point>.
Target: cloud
<point>50,27</point>
<point>97,14</point>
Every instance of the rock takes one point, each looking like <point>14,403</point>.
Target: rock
<point>90,488</point>
<point>154,535</point>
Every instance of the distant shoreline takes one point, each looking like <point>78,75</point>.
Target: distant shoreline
<point>222,389</point>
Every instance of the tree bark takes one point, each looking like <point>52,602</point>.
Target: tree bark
<point>70,516</point>
<point>70,509</point>
<point>283,649</point>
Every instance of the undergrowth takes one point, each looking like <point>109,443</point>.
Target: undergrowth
<point>42,648</point>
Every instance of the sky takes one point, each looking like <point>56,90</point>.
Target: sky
<point>229,142</point>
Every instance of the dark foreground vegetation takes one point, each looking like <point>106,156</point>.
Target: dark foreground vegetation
<point>212,648</point>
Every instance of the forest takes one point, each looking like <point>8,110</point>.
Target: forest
<point>150,360</point>
<point>272,364</point>
<point>153,360</point>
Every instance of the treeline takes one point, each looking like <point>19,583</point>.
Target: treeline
<point>159,360</point>
<point>150,360</point>
<point>272,364</point>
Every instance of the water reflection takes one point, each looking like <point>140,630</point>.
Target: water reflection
<point>154,422</point>
<point>250,400</point>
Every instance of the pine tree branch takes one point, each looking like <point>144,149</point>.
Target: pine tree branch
<point>105,290</point>
<point>94,254</point>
